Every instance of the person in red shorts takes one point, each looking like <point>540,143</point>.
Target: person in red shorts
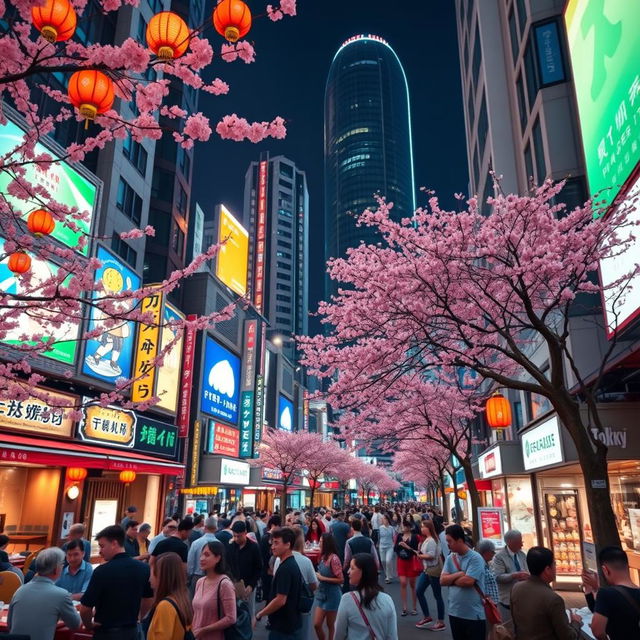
<point>406,548</point>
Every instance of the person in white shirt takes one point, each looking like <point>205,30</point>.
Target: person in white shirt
<point>376,521</point>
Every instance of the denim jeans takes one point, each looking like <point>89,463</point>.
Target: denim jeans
<point>424,581</point>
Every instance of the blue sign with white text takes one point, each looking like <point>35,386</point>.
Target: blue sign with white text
<point>286,419</point>
<point>220,395</point>
<point>550,59</point>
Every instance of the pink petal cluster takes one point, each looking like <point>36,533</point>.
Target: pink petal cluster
<point>233,127</point>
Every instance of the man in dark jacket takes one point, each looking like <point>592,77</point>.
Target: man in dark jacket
<point>245,562</point>
<point>273,523</point>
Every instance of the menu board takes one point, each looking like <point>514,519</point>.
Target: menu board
<point>564,527</point>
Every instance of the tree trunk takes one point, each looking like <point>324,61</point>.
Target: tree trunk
<point>283,501</point>
<point>442,494</point>
<point>313,491</point>
<point>473,494</point>
<point>456,500</point>
<point>592,456</point>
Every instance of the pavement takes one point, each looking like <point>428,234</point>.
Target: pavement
<point>406,626</point>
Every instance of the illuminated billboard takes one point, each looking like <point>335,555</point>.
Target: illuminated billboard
<point>233,257</point>
<point>605,49</point>
<point>261,237</point>
<point>220,395</point>
<point>286,416</point>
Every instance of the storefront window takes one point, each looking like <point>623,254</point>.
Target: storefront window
<point>521,513</point>
<point>497,490</point>
<point>625,499</point>
<point>538,405</point>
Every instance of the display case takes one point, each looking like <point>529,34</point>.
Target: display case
<point>564,527</point>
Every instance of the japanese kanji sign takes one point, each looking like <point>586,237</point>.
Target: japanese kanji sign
<point>35,415</point>
<point>147,347</point>
<point>261,234</point>
<point>258,413</point>
<point>222,439</point>
<point>156,437</point>
<point>187,379</point>
<point>246,424</point>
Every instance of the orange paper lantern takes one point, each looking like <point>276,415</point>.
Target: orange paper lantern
<point>40,222</point>
<point>91,92</point>
<point>232,19</point>
<point>55,20</point>
<point>127,476</point>
<point>498,411</point>
<point>19,262</point>
<point>76,474</point>
<point>167,35</point>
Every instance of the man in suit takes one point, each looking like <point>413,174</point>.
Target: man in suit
<point>37,606</point>
<point>538,612</point>
<point>509,567</point>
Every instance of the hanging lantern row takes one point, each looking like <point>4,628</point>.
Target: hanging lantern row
<point>40,223</point>
<point>56,20</point>
<point>91,92</point>
<point>498,411</point>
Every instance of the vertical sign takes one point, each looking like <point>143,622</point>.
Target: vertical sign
<point>305,411</point>
<point>187,379</point>
<point>247,388</point>
<point>261,234</point>
<point>195,453</point>
<point>258,414</point>
<point>147,347</point>
<point>168,376</point>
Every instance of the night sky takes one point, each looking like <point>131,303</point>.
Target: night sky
<point>288,78</point>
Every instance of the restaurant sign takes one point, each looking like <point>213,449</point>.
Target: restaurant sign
<point>36,415</point>
<point>542,445</point>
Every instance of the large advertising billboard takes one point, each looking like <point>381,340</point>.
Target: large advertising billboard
<point>63,184</point>
<point>168,376</point>
<point>233,257</point>
<point>109,356</point>
<point>220,394</point>
<point>261,236</point>
<point>605,49</point>
<point>286,415</point>
<point>63,338</point>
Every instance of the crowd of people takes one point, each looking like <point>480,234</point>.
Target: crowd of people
<point>216,576</point>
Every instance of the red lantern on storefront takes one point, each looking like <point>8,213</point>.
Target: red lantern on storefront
<point>76,474</point>
<point>55,20</point>
<point>91,92</point>
<point>167,35</point>
<point>498,412</point>
<point>232,19</point>
<point>127,476</point>
<point>19,262</point>
<point>40,222</point>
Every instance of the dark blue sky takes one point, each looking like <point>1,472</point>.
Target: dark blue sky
<point>288,79</point>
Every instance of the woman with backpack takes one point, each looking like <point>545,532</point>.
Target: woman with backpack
<point>431,556</point>
<point>214,600</point>
<point>172,613</point>
<point>329,590</point>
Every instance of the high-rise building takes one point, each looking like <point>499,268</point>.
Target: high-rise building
<point>276,212</point>
<point>368,146</point>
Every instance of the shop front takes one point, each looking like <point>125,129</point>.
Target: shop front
<point>222,480</point>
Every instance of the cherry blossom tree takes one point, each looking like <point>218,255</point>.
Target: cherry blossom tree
<point>447,291</point>
<point>67,294</point>
<point>326,459</point>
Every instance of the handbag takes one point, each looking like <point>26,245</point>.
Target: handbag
<point>490,607</point>
<point>436,570</point>
<point>372,633</point>
<point>241,629</point>
<point>188,633</point>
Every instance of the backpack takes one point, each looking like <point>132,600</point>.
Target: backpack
<point>188,634</point>
<point>241,630</point>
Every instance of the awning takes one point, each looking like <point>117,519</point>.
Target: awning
<point>21,449</point>
<point>481,485</point>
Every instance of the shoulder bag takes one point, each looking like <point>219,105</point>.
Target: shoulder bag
<point>490,607</point>
<point>241,630</point>
<point>372,633</point>
<point>436,569</point>
<point>188,633</point>
<point>629,599</point>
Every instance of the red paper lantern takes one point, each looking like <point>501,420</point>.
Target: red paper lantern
<point>19,262</point>
<point>127,476</point>
<point>498,411</point>
<point>55,20</point>
<point>76,474</point>
<point>167,35</point>
<point>91,92</point>
<point>232,19</point>
<point>40,222</point>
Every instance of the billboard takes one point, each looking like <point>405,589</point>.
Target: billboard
<point>286,415</point>
<point>168,376</point>
<point>109,356</point>
<point>147,347</point>
<point>63,184</point>
<point>222,439</point>
<point>233,256</point>
<point>261,235</point>
<point>186,380</point>
<point>63,338</point>
<point>220,389</point>
<point>605,50</point>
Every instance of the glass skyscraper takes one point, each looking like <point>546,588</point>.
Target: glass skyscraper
<point>368,147</point>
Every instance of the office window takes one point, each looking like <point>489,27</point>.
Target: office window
<point>531,74</point>
<point>483,127</point>
<point>283,244</point>
<point>156,5</point>
<point>284,265</point>
<point>549,53</point>
<point>522,105</point>
<point>162,185</point>
<point>283,276</point>
<point>538,149</point>
<point>513,33</point>
<point>184,161</point>
<point>522,15</point>
<point>135,153</point>
<point>471,105</point>
<point>528,164</point>
<point>476,58</point>
<point>177,239</point>
<point>161,222</point>
<point>142,28</point>
<point>124,250</point>
<point>282,298</point>
<point>284,234</point>
<point>283,309</point>
<point>282,287</point>
<point>129,202</point>
<point>181,204</point>
<point>286,170</point>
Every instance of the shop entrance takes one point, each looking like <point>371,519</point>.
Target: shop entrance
<point>104,502</point>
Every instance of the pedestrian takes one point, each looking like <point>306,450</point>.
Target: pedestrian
<point>131,544</point>
<point>487,549</point>
<point>617,607</point>
<point>119,593</point>
<point>431,557</point>
<point>168,526</point>
<point>265,552</point>
<point>509,566</point>
<point>340,531</point>
<point>172,612</point>
<point>314,532</point>
<point>37,606</point>
<point>285,619</point>
<point>143,541</point>
<point>538,612</point>
<point>224,533</point>
<point>376,522</point>
<point>214,601</point>
<point>406,548</point>
<point>245,563</point>
<point>176,542</point>
<point>130,514</point>
<point>76,575</point>
<point>359,543</point>
<point>5,565</point>
<point>463,569</point>
<point>76,532</point>
<point>386,536</point>
<point>329,589</point>
<point>366,612</point>
<point>197,531</point>
<point>194,571</point>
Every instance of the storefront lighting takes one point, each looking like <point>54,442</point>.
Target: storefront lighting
<point>76,474</point>
<point>127,476</point>
<point>566,485</point>
<point>73,492</point>
<point>498,411</point>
